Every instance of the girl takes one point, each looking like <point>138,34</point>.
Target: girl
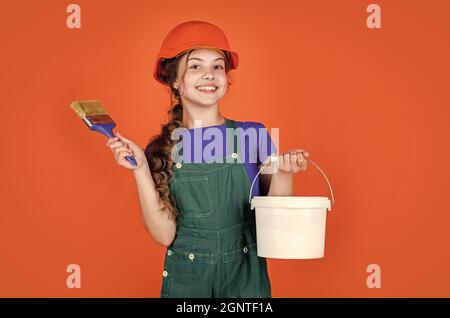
<point>200,209</point>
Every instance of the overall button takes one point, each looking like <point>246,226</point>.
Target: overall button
<point>245,249</point>
<point>234,155</point>
<point>178,165</point>
<point>191,257</point>
<point>165,273</point>
<point>169,252</point>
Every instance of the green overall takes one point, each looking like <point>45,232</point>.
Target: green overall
<point>214,251</point>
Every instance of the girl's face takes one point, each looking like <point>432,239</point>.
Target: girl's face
<point>205,80</point>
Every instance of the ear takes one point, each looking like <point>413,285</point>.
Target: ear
<point>175,85</point>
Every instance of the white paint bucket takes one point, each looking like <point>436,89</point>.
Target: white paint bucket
<point>291,227</point>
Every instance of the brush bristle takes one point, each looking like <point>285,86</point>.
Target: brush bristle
<point>91,112</point>
<point>87,107</point>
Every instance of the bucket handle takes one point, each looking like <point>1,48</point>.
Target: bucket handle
<point>274,158</point>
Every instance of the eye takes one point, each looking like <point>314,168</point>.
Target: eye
<point>220,67</point>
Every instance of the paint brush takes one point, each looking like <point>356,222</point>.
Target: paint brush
<point>96,118</point>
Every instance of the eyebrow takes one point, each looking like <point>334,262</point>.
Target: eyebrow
<point>197,58</point>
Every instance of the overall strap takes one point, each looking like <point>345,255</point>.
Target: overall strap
<point>235,144</point>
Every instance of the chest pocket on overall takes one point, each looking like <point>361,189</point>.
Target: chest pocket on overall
<point>193,196</point>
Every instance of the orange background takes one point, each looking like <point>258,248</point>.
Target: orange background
<point>369,105</point>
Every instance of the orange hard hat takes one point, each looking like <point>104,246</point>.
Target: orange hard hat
<point>189,35</point>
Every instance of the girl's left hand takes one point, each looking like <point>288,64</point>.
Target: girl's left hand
<point>293,161</point>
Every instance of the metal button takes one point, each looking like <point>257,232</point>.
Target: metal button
<point>234,155</point>
<point>178,165</point>
<point>245,249</point>
<point>169,252</point>
<point>165,273</point>
<point>191,257</point>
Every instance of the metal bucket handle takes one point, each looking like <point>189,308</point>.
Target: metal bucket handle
<point>275,158</point>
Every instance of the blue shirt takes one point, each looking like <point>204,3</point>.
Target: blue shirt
<point>254,147</point>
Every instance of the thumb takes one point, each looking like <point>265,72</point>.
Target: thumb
<point>121,137</point>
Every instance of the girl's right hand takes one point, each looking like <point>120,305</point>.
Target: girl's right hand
<point>123,147</point>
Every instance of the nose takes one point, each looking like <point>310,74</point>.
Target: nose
<point>208,74</point>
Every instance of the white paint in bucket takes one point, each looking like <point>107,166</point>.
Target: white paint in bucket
<point>291,227</point>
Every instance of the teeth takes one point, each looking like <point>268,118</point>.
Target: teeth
<point>206,88</point>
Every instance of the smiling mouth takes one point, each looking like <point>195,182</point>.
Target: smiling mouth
<point>207,89</point>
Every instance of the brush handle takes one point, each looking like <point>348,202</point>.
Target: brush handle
<point>107,130</point>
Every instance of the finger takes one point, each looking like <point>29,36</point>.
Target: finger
<point>302,162</point>
<point>304,152</point>
<point>121,137</point>
<point>300,159</point>
<point>120,149</point>
<point>287,161</point>
<point>303,165</point>
<point>118,144</point>
<point>111,140</point>
<point>130,144</point>
<point>293,161</point>
<point>121,155</point>
<point>298,162</point>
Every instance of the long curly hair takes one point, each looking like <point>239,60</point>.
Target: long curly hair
<point>159,148</point>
